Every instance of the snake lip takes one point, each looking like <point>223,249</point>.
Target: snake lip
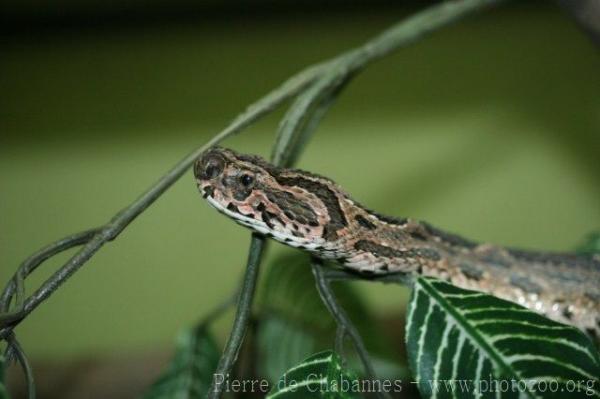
<point>233,208</point>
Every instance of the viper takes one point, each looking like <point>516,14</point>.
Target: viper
<point>311,212</point>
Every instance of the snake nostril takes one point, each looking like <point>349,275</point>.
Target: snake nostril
<point>209,167</point>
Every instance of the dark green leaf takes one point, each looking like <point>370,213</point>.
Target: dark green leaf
<point>319,376</point>
<point>281,345</point>
<point>294,323</point>
<point>191,371</point>
<point>459,335</point>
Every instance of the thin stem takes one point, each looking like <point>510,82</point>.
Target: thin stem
<point>342,319</point>
<point>340,337</point>
<point>303,116</point>
<point>18,352</point>
<point>235,340</point>
<point>16,286</point>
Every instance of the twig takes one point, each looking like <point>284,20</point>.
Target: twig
<point>236,337</point>
<point>342,319</point>
<point>15,285</point>
<point>15,348</point>
<point>304,115</point>
<point>340,336</point>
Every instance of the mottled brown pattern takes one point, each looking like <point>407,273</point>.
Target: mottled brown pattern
<point>324,192</point>
<point>365,223</point>
<point>309,211</point>
<point>293,207</point>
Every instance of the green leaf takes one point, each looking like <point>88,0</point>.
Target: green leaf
<point>191,371</point>
<point>294,323</point>
<point>319,376</point>
<point>282,344</point>
<point>3,391</point>
<point>467,343</point>
<point>591,244</point>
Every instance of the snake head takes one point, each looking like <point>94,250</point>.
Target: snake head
<point>222,177</point>
<point>256,194</point>
<point>235,184</point>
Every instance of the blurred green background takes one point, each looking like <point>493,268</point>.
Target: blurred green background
<point>489,128</point>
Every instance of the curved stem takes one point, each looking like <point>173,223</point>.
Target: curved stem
<point>16,349</point>
<point>16,283</point>
<point>342,319</point>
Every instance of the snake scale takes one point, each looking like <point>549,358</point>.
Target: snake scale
<point>308,211</point>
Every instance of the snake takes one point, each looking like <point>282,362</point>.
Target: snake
<point>311,212</point>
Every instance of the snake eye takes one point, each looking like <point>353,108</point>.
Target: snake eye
<point>246,180</point>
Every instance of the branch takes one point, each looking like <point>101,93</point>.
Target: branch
<point>345,325</point>
<point>15,285</point>
<point>304,115</point>
<point>242,316</point>
<point>14,348</point>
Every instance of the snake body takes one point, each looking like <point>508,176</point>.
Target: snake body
<point>313,213</point>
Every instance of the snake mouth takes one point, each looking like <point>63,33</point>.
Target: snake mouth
<point>255,219</point>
